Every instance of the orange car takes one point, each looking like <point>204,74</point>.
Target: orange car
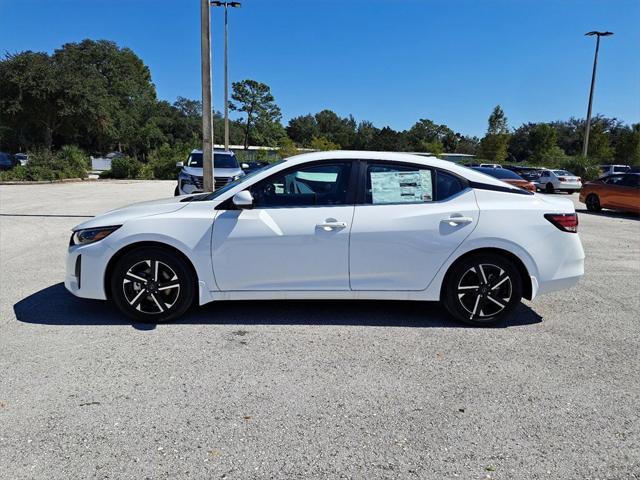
<point>617,192</point>
<point>508,176</point>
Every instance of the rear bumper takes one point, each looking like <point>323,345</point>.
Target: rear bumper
<point>568,268</point>
<point>569,186</point>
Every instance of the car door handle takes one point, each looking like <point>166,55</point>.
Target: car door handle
<point>329,225</point>
<point>457,220</point>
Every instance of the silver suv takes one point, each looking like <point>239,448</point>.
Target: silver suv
<point>225,170</point>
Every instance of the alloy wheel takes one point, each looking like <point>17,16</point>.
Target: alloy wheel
<point>151,287</point>
<point>593,203</point>
<point>484,290</point>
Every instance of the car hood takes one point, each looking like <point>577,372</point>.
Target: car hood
<point>218,172</point>
<point>136,210</point>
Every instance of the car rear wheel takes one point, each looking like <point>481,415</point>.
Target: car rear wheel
<point>593,203</point>
<point>549,188</point>
<point>152,285</point>
<point>482,290</point>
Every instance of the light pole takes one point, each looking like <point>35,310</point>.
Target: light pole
<point>226,6</point>
<point>585,145</point>
<point>207,124</point>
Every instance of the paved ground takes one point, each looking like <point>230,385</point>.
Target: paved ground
<point>310,389</point>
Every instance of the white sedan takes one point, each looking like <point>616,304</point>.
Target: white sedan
<point>334,225</point>
<point>558,181</point>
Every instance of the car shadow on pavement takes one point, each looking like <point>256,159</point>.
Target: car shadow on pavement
<point>610,214</point>
<point>55,306</point>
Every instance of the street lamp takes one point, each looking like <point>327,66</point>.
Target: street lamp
<point>585,145</point>
<point>226,6</point>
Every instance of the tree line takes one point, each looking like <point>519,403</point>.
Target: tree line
<point>100,97</point>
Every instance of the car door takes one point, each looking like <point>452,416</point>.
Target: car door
<point>610,192</point>
<point>296,236</point>
<point>628,193</point>
<point>409,219</point>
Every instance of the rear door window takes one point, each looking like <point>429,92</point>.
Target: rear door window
<point>388,183</point>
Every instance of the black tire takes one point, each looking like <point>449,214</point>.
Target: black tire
<point>593,203</point>
<point>492,301</point>
<point>146,296</point>
<point>549,188</point>
<point>176,192</point>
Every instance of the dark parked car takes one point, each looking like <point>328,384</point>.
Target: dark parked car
<point>528,173</point>
<point>7,162</point>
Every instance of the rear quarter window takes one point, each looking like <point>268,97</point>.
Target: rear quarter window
<point>447,185</point>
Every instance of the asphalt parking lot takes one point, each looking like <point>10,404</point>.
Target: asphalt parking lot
<point>310,389</point>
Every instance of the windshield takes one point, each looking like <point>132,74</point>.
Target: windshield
<point>235,183</point>
<point>220,160</point>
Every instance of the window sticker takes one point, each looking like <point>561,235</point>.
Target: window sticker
<point>401,187</point>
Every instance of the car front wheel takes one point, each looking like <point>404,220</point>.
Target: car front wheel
<point>482,290</point>
<point>152,285</point>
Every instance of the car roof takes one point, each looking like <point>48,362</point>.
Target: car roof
<point>468,173</point>
<point>217,152</point>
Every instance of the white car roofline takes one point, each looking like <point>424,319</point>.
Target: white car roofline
<point>468,173</point>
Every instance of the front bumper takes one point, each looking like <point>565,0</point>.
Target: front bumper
<point>85,270</point>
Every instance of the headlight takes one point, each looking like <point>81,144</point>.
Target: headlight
<point>236,177</point>
<point>186,178</point>
<point>91,235</point>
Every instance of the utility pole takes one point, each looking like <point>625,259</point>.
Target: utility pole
<point>207,125</point>
<point>585,145</point>
<point>226,65</point>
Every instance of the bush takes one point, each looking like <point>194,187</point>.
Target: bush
<point>583,167</point>
<point>125,167</point>
<point>162,161</point>
<point>68,162</point>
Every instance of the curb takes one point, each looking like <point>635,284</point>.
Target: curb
<point>47,182</point>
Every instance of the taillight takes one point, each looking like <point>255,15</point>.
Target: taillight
<point>567,222</point>
<point>579,179</point>
<point>562,179</point>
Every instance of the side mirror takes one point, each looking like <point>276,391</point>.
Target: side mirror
<point>179,164</point>
<point>244,166</point>
<point>243,199</point>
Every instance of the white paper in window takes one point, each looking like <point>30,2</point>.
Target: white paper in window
<point>401,187</point>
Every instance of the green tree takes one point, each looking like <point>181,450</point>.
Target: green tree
<point>340,131</point>
<point>495,144</point>
<point>427,136</point>
<point>627,149</point>
<point>287,147</point>
<point>366,133</point>
<point>497,122</point>
<point>33,99</point>
<point>323,144</point>
<point>302,129</point>
<point>256,101</point>
<point>543,144</point>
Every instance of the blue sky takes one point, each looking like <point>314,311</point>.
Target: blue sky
<point>388,61</point>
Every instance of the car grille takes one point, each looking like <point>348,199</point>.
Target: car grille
<point>221,182</point>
